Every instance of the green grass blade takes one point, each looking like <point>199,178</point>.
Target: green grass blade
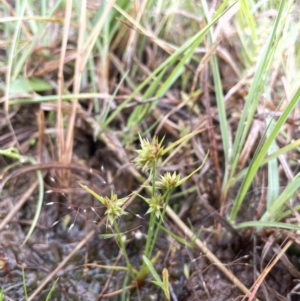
<point>178,70</point>
<point>275,155</point>
<point>38,206</point>
<point>257,161</point>
<point>262,224</point>
<point>177,55</point>
<point>287,213</point>
<point>14,153</point>
<point>107,120</point>
<point>54,98</point>
<point>24,284</point>
<point>153,272</point>
<point>51,290</point>
<point>140,112</point>
<point>273,175</point>
<point>278,205</point>
<point>248,113</point>
<point>12,51</point>
<point>254,92</point>
<point>219,98</point>
<point>179,239</point>
<point>27,50</point>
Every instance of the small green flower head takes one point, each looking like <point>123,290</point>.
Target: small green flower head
<point>114,207</point>
<point>155,205</point>
<point>168,181</point>
<point>113,204</point>
<point>149,153</point>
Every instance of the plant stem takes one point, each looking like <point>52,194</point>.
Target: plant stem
<point>167,195</point>
<point>153,178</point>
<point>152,215</point>
<point>150,234</point>
<point>144,269</point>
<point>122,246</point>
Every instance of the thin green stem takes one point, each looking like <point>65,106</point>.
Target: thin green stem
<point>167,196</point>
<point>153,178</point>
<point>144,271</point>
<point>122,246</point>
<point>150,233</point>
<point>24,284</point>
<point>152,214</point>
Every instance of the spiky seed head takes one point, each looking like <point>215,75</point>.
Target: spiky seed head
<point>149,153</point>
<point>155,205</point>
<point>168,181</point>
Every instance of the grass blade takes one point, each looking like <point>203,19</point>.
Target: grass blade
<point>254,92</point>
<point>248,113</point>
<point>257,161</point>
